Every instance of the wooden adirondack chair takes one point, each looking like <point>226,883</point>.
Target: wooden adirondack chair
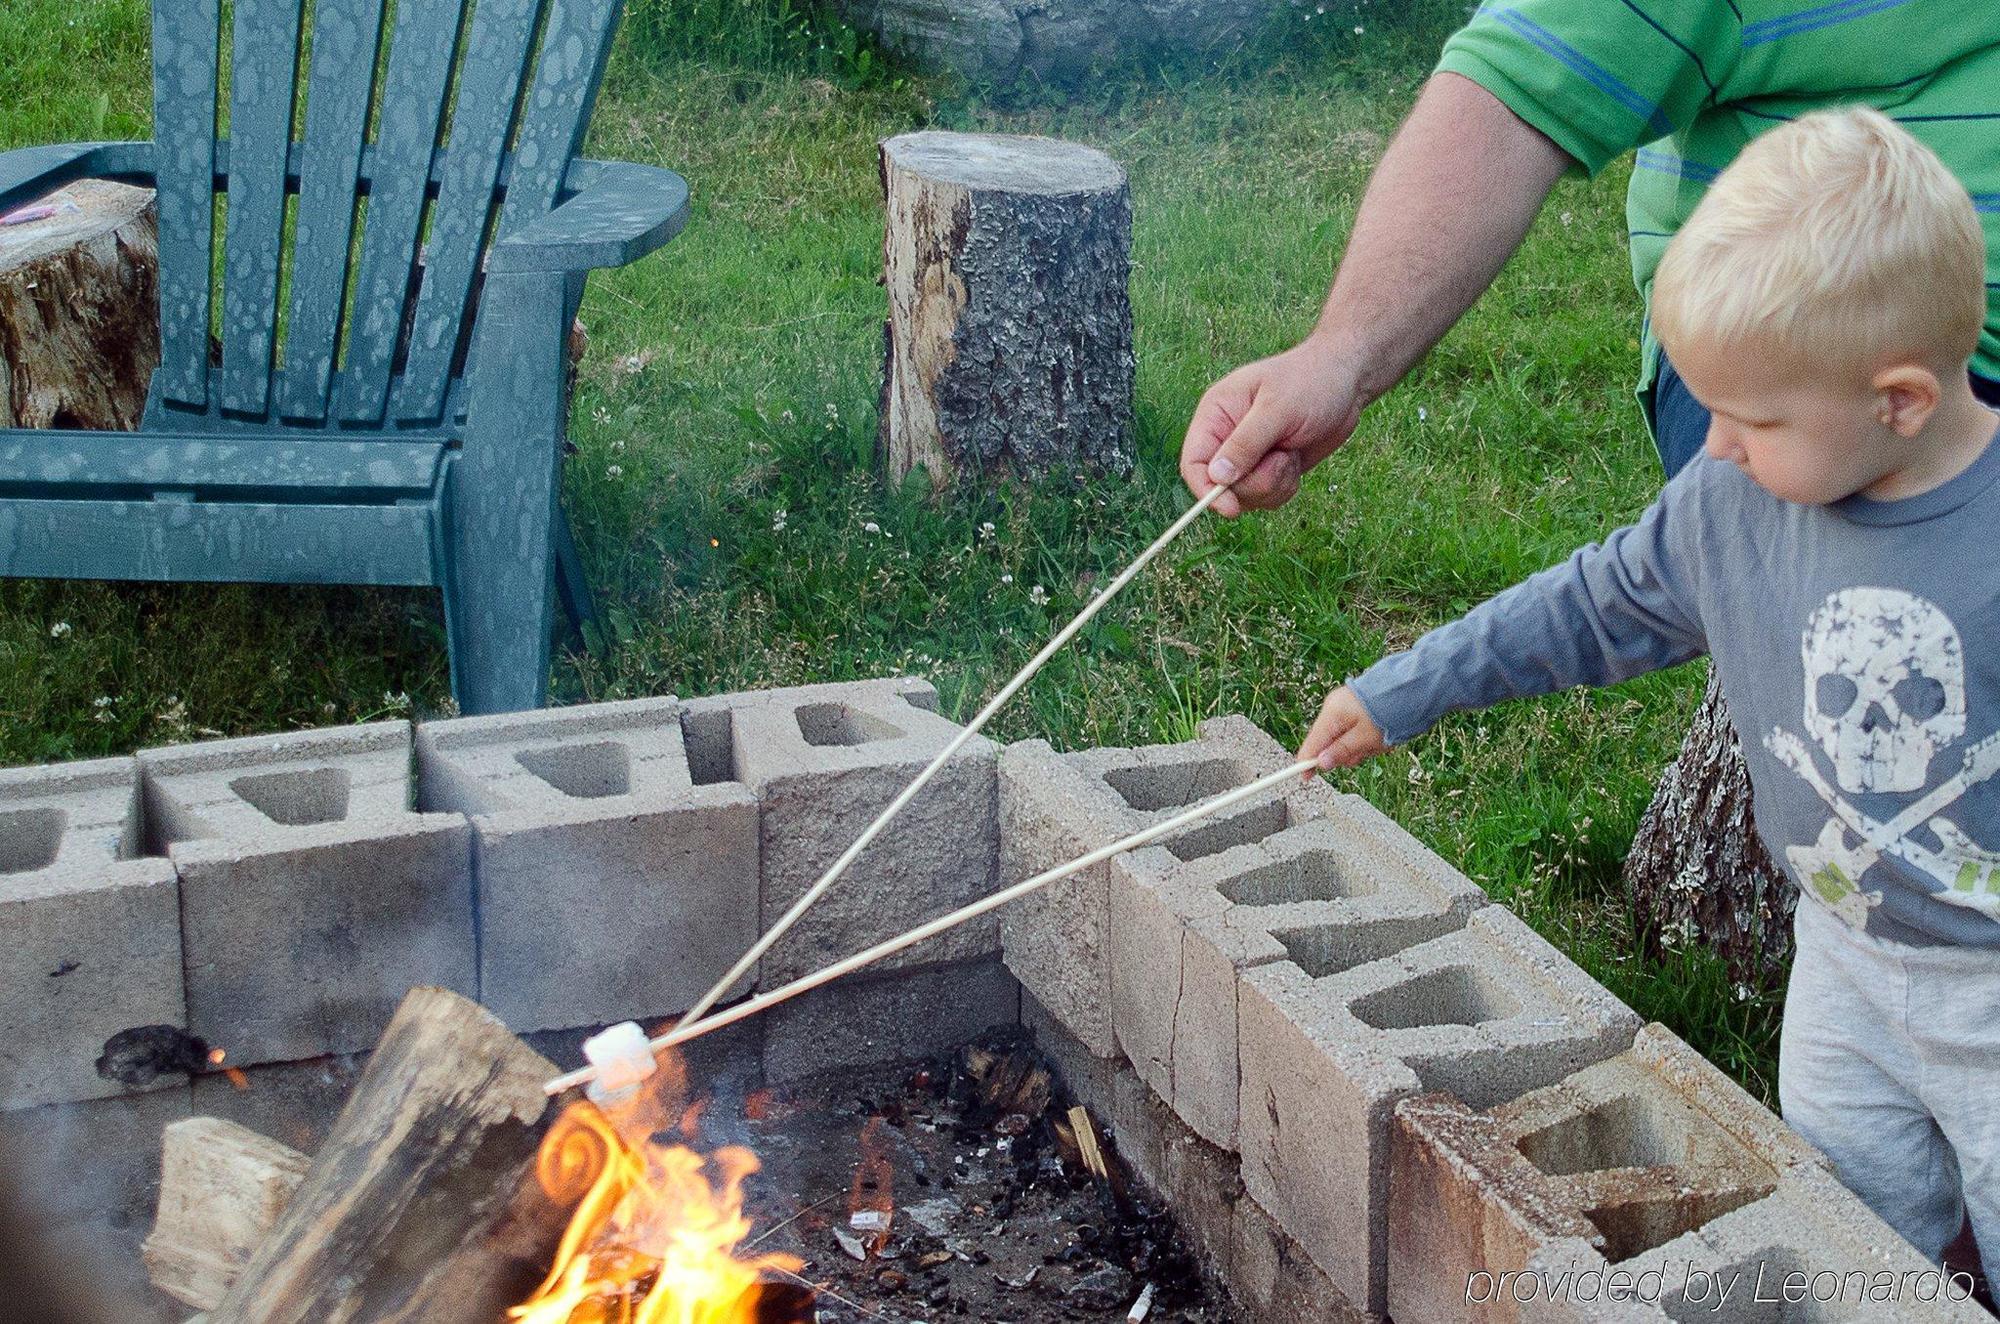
<point>389,428</point>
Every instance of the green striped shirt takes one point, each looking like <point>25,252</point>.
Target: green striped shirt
<point>1689,82</point>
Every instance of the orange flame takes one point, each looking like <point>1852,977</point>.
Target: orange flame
<point>654,1237</point>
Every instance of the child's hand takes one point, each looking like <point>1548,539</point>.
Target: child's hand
<point>1344,733</point>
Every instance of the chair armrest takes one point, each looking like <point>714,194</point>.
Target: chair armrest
<point>26,173</point>
<point>621,212</point>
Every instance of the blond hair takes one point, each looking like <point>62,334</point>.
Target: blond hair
<point>1837,236</point>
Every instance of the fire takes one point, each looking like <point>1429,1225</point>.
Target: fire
<point>654,1238</point>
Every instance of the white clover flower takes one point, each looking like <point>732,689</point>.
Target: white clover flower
<point>986,531</point>
<point>1423,414</point>
<point>101,702</point>
<point>614,471</point>
<point>778,522</point>
<point>60,630</point>
<point>1039,596</point>
<point>871,527</point>
<point>1006,579</point>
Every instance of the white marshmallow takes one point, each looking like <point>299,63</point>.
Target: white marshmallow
<point>623,1059</point>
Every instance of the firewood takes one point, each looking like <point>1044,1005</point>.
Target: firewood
<point>79,307</point>
<point>423,1203</point>
<point>222,1189</point>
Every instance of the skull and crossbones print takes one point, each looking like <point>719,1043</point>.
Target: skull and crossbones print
<point>1885,694</point>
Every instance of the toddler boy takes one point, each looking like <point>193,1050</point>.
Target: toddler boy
<point>1836,551</point>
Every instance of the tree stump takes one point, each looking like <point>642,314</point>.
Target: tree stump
<point>1009,337</point>
<point>79,308</point>
<point>1697,870</point>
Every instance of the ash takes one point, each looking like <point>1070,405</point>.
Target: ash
<point>960,1189</point>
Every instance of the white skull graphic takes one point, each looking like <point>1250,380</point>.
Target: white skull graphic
<point>1885,687</point>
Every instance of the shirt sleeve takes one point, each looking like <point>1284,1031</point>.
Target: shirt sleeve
<point>1599,77</point>
<point>1613,610</point>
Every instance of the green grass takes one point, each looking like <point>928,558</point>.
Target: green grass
<point>724,495</point>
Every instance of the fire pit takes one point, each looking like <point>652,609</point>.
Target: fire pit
<point>1283,1065</point>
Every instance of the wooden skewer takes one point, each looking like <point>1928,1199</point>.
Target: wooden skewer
<point>1007,691</point>
<point>683,1032</point>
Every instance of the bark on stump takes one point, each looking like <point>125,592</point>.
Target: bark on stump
<point>79,309</point>
<point>1009,339</point>
<point>1697,870</point>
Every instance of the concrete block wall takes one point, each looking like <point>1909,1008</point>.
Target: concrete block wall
<point>1354,1078</point>
<point>1357,1081</point>
<point>91,931</point>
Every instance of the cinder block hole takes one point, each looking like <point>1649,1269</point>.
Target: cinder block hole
<point>1648,1220</point>
<point>30,838</point>
<point>710,741</point>
<point>838,724</point>
<point>1147,788</point>
<point>583,772</point>
<point>1630,1131</point>
<point>1455,995</point>
<point>1237,829</point>
<point>1316,875</point>
<point>1331,949</point>
<point>297,798</point>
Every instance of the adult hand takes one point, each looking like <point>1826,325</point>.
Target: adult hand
<point>1268,422</point>
<point>1343,734</point>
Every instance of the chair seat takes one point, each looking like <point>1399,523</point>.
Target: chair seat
<point>362,469</point>
<point>120,505</point>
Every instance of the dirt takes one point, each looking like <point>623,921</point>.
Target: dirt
<point>955,1190</point>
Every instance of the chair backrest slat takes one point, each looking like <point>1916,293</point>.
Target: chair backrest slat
<point>187,41</point>
<point>263,81</point>
<point>489,84</point>
<point>339,86</point>
<point>421,51</point>
<point>350,258</point>
<point>575,43</point>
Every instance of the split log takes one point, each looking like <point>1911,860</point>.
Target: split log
<point>423,1203</point>
<point>223,1188</point>
<point>79,308</point>
<point>1697,871</point>
<point>1009,339</point>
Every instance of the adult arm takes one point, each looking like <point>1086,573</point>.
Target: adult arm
<point>1449,203</point>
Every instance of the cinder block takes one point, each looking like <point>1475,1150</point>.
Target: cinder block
<point>1271,1275</point>
<point>898,1016</point>
<point>1809,1253</point>
<point>1330,892</point>
<point>312,897</point>
<point>294,1103</point>
<point>1485,1013</point>
<point>1626,1154</point>
<point>611,885</point>
<point>92,931</point>
<point>1091,1080</point>
<point>1055,807</point>
<point>1197,1182</point>
<point>823,762</point>
<point>92,1162</point>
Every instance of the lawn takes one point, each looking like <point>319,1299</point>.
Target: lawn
<point>723,488</point>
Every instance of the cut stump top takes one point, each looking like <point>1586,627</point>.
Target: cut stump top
<point>83,210</point>
<point>1006,163</point>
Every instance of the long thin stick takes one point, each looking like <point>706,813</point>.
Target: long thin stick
<point>1007,691</point>
<point>806,983</point>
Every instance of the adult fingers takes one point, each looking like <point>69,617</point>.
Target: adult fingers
<point>1273,482</point>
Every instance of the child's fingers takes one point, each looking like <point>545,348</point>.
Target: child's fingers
<point>1332,724</point>
<point>1355,745</point>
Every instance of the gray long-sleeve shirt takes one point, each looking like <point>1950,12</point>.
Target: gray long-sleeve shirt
<point>1857,644</point>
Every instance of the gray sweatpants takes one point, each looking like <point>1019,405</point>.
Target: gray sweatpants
<point>1890,1064</point>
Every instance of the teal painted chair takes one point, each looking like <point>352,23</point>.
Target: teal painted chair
<point>378,411</point>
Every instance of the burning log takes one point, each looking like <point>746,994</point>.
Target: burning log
<point>423,1204</point>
